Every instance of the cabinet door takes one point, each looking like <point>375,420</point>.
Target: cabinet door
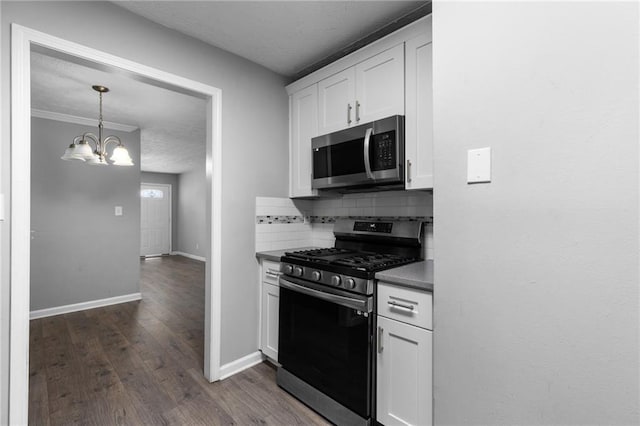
<point>380,86</point>
<point>304,126</point>
<point>404,395</point>
<point>270,312</point>
<point>336,102</point>
<point>419,114</point>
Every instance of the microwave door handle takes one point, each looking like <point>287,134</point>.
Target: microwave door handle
<point>367,162</point>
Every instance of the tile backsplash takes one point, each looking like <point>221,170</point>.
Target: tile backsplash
<point>388,204</point>
<point>283,223</point>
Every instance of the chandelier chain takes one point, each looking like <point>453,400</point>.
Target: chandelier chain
<point>100,120</point>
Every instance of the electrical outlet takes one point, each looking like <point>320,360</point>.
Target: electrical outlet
<point>118,211</point>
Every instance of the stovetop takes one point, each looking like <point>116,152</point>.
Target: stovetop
<point>350,259</point>
<point>362,248</point>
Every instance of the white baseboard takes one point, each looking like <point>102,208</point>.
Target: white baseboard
<point>238,365</point>
<point>58,310</point>
<point>189,255</point>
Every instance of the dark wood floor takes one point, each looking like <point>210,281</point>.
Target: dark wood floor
<point>140,363</point>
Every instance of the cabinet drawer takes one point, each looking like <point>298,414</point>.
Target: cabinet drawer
<point>406,305</point>
<point>270,271</point>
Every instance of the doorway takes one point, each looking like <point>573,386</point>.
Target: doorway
<point>23,41</point>
<point>155,219</point>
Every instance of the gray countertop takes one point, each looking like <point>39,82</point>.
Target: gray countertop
<point>417,275</point>
<point>275,255</point>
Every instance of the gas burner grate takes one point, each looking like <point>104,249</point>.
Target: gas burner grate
<point>317,253</point>
<point>374,262</point>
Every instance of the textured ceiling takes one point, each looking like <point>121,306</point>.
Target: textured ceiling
<point>172,125</point>
<point>284,36</point>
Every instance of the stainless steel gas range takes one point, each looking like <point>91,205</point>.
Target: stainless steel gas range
<point>327,321</point>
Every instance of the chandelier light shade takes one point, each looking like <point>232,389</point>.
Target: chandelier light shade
<point>81,150</point>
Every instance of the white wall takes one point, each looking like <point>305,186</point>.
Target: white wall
<point>81,251</point>
<point>254,102</point>
<point>168,179</point>
<point>191,212</point>
<point>536,277</point>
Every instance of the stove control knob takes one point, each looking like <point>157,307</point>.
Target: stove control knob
<point>288,269</point>
<point>298,271</point>
<point>336,280</point>
<point>351,283</point>
<point>316,275</point>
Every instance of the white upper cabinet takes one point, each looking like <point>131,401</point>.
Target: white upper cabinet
<point>391,76</point>
<point>368,91</point>
<point>336,101</point>
<point>419,113</point>
<point>380,86</point>
<point>304,126</point>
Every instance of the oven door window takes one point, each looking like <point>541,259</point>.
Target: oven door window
<point>328,346</point>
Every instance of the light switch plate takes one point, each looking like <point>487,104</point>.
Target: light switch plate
<point>118,210</point>
<point>479,165</point>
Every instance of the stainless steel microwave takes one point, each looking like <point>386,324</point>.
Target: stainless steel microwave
<point>368,155</point>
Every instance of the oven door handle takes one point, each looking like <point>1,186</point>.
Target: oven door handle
<point>353,303</point>
<point>367,161</point>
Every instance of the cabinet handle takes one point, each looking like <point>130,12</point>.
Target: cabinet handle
<point>380,333</point>
<point>395,304</point>
<point>272,274</point>
<point>357,111</point>
<point>408,170</point>
<point>349,107</point>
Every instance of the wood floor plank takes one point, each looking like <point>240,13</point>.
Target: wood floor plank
<point>108,400</point>
<point>141,363</point>
<point>38,396</point>
<point>149,396</point>
<point>263,377</point>
<point>227,396</point>
<point>173,344</point>
<point>62,370</point>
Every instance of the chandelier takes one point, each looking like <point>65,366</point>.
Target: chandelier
<point>81,150</point>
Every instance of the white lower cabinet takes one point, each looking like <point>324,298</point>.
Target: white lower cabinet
<point>404,374</point>
<point>270,309</point>
<point>404,356</point>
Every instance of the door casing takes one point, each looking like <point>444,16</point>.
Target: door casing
<point>23,39</point>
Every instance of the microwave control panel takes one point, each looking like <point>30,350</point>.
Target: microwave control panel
<point>383,151</point>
